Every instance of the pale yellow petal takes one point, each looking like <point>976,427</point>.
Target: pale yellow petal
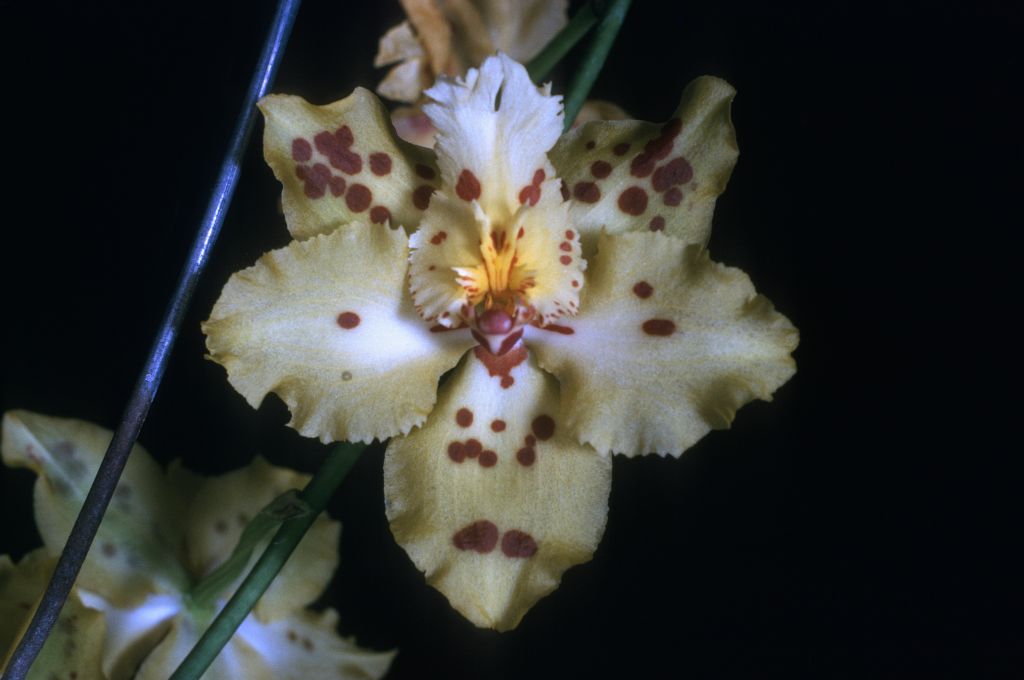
<point>492,497</point>
<point>327,325</point>
<point>400,42</point>
<point>75,644</point>
<point>667,346</point>
<point>135,550</point>
<point>343,161</point>
<point>494,129</point>
<point>217,509</point>
<point>404,83</point>
<point>133,632</point>
<point>599,109</point>
<point>413,126</point>
<point>636,176</point>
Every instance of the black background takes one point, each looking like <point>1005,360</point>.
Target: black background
<point>861,525</point>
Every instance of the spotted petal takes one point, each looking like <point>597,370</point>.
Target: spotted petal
<point>631,175</point>
<point>494,129</point>
<point>342,162</point>
<point>667,346</point>
<point>74,646</point>
<point>135,551</point>
<point>491,497</point>
<point>326,324</point>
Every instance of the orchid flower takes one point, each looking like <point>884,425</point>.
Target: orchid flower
<point>565,280</point>
<point>132,607</point>
<point>447,37</point>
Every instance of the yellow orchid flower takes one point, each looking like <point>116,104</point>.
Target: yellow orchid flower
<point>447,37</point>
<point>160,535</point>
<point>566,278</point>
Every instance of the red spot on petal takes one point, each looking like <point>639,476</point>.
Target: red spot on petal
<point>337,185</point>
<point>543,426</point>
<point>457,452</point>
<point>509,342</point>
<point>425,171</point>
<point>358,198</point>
<point>437,238</point>
<point>529,194</point>
<point>526,456</point>
<point>575,283</point>
<point>643,289</point>
<point>473,448</point>
<point>301,150</point>
<point>659,327</point>
<point>600,169</point>
<point>554,328</point>
<point>676,171</point>
<point>521,233</point>
<point>642,165</point>
<point>498,425</point>
<point>620,149</point>
<point>565,259</point>
<point>517,543</point>
<point>464,417</point>
<point>501,365</point>
<point>488,458</point>
<point>530,440</point>
<point>538,176</point>
<point>657,223</point>
<point>379,214</point>
<point>570,234</point>
<point>421,196</point>
<point>567,247</point>
<point>348,320</point>
<point>633,201</point>
<point>480,536</point>
<point>468,186</point>
<point>336,148</point>
<point>673,197</point>
<point>586,192</point>
<point>380,164</point>
<point>591,144</point>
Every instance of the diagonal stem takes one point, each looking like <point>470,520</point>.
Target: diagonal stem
<point>554,51</point>
<point>593,60</point>
<point>88,521</point>
<point>340,460</point>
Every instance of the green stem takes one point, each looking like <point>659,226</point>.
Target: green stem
<point>340,460</point>
<point>594,59</point>
<point>581,22</point>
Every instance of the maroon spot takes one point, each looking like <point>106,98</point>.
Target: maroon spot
<point>517,543</point>
<point>600,169</point>
<point>358,198</point>
<point>473,448</point>
<point>564,330</point>
<point>632,201</point>
<point>676,171</point>
<point>425,171</point>
<point>586,192</point>
<point>530,440</point>
<point>468,186</point>
<point>567,247</point>
<point>657,223</point>
<point>495,322</point>
<point>498,425</point>
<point>501,365</point>
<point>379,214</point>
<point>543,426</point>
<point>529,194</point>
<point>437,238</point>
<point>570,234</point>
<point>538,176</point>
<point>509,342</point>
<point>673,197</point>
<point>480,536</point>
<point>457,452</point>
<point>336,148</point>
<point>522,232</point>
<point>464,417</point>
<point>307,644</point>
<point>315,179</point>
<point>526,456</point>
<point>621,148</point>
<point>380,164</point>
<point>565,259</point>
<point>659,327</point>
<point>109,549</point>
<point>642,165</point>
<point>672,128</point>
<point>488,458</point>
<point>337,185</point>
<point>301,150</point>
<point>565,191</point>
<point>643,290</point>
<point>575,283</point>
<point>591,144</point>
<point>421,196</point>
<point>348,320</point>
